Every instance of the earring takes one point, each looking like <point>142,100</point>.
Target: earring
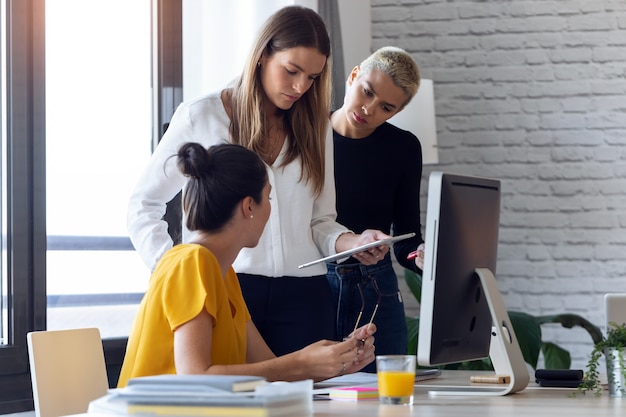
<point>252,216</point>
<point>258,64</point>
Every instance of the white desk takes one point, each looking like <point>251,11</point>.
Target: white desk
<point>534,401</point>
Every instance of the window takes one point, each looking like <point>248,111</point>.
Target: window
<point>98,139</point>
<point>54,156</point>
<point>23,225</point>
<point>80,113</point>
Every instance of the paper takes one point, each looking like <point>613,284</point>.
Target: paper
<point>366,379</point>
<point>353,393</point>
<point>194,383</point>
<point>357,378</point>
<point>348,380</point>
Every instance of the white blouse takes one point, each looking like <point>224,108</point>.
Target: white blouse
<point>301,228</point>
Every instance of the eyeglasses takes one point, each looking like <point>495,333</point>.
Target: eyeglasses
<point>360,288</point>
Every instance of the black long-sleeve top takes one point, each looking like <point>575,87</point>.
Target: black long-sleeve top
<point>377,180</point>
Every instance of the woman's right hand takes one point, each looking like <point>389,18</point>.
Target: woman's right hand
<point>369,256</point>
<point>326,359</point>
<point>364,337</point>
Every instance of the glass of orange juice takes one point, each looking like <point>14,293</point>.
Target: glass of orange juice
<point>396,378</point>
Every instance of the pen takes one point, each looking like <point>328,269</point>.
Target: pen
<point>412,255</point>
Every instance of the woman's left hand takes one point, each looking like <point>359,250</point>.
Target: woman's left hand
<point>370,256</point>
<point>419,259</point>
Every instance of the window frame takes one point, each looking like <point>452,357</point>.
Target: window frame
<point>25,182</point>
<point>25,234</point>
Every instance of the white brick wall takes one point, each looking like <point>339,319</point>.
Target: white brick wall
<point>533,93</point>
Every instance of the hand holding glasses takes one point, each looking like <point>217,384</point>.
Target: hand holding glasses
<point>360,315</point>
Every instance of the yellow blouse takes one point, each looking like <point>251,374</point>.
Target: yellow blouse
<point>186,279</point>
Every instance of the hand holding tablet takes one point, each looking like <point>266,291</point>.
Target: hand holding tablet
<point>358,249</point>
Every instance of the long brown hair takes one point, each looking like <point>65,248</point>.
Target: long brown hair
<point>306,122</point>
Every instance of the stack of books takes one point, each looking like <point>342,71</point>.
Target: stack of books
<point>207,395</point>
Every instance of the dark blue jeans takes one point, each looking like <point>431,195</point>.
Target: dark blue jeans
<point>289,312</point>
<point>378,282</point>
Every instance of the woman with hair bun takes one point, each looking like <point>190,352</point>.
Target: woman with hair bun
<point>193,318</point>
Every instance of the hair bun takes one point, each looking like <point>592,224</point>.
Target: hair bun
<point>194,160</point>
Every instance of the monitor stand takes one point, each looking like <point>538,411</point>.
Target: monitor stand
<point>504,351</point>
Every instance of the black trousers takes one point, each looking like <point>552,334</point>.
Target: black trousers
<point>290,312</point>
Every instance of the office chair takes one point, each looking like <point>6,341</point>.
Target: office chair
<point>67,369</point>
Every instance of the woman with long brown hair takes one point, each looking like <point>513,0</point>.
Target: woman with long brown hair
<point>279,108</point>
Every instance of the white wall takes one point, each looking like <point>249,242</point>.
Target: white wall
<point>419,116</point>
<point>210,61</point>
<point>356,34</point>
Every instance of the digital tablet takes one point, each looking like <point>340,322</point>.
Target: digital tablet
<point>350,252</point>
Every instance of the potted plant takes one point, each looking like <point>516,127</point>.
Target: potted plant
<point>613,347</point>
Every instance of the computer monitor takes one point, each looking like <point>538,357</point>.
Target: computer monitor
<point>462,314</point>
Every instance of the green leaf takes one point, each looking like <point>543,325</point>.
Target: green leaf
<point>528,333</point>
<point>615,337</point>
<point>555,357</point>
<point>414,282</point>
<point>477,365</point>
<point>412,325</point>
<point>570,320</point>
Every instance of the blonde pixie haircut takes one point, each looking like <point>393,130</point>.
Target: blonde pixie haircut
<point>398,65</point>
<point>306,121</point>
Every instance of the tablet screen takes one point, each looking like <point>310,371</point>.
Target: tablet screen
<point>350,252</point>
